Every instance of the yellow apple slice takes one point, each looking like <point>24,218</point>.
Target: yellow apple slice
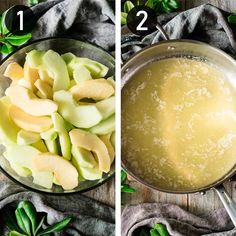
<point>28,122</point>
<point>45,77</point>
<point>106,139</point>
<point>98,89</point>
<point>44,88</point>
<point>14,71</point>
<point>29,103</point>
<point>31,75</point>
<point>91,142</point>
<point>64,172</point>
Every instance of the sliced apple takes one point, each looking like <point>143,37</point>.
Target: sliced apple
<point>90,173</point>
<point>28,122</point>
<point>40,145</point>
<point>14,72</point>
<point>106,107</point>
<point>81,73</point>
<point>25,137</point>
<point>91,142</point>
<point>31,75</point>
<point>83,116</point>
<point>65,173</point>
<point>52,146</point>
<point>113,139</point>
<point>43,178</point>
<point>44,88</point>
<point>82,157</point>
<point>34,59</point>
<point>45,77</point>
<point>29,103</point>
<point>51,134</point>
<point>67,57</point>
<point>104,127</point>
<point>57,69</point>
<point>98,89</point>
<point>107,142</point>
<point>24,83</point>
<point>8,129</point>
<point>111,81</point>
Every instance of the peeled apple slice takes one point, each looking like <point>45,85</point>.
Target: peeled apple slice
<point>28,122</point>
<point>34,59</point>
<point>91,142</point>
<point>29,103</point>
<point>65,173</point>
<point>57,69</point>
<point>107,142</point>
<point>83,116</point>
<point>31,75</point>
<point>98,89</point>
<point>25,137</point>
<point>81,73</point>
<point>45,77</point>
<point>44,88</point>
<point>106,107</point>
<point>14,71</point>
<point>8,129</point>
<point>90,173</point>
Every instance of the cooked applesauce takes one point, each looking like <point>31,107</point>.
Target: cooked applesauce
<point>179,124</point>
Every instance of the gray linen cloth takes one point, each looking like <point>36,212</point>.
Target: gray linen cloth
<point>208,24</point>
<point>93,21</point>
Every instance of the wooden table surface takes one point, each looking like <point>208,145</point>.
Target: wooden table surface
<point>195,203</point>
<point>104,193</point>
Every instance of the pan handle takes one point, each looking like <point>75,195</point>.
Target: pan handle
<point>162,31</point>
<point>228,203</point>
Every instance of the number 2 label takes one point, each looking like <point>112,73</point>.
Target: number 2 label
<point>140,26</point>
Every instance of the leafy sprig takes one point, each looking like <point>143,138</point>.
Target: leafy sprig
<point>159,6</point>
<point>125,188</point>
<point>26,222</point>
<point>8,41</point>
<point>157,230</point>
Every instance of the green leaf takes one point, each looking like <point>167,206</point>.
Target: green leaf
<point>125,188</point>
<point>232,19</point>
<point>123,176</point>
<point>18,40</point>
<point>4,29</point>
<point>149,3</point>
<point>23,220</point>
<point>166,7</point>
<point>56,227</point>
<point>161,229</point>
<point>32,2</point>
<point>6,48</point>
<point>30,211</point>
<point>123,18</point>
<point>10,221</point>
<point>15,233</point>
<point>174,4</point>
<point>153,232</point>
<point>39,225</point>
<point>128,6</point>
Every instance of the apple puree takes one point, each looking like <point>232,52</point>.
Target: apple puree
<point>179,124</point>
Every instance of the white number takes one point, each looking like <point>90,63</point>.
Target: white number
<point>140,25</point>
<point>20,13</point>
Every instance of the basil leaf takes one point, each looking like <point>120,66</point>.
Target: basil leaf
<point>174,4</point>
<point>15,233</point>
<point>56,227</point>
<point>6,48</point>
<point>125,188</point>
<point>18,40</point>
<point>39,225</point>
<point>23,220</point>
<point>166,7</point>
<point>161,229</point>
<point>128,6</point>
<point>153,232</point>
<point>123,18</point>
<point>232,19</point>
<point>123,176</point>
<point>30,212</point>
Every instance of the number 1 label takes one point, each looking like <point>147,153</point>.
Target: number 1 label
<point>20,13</point>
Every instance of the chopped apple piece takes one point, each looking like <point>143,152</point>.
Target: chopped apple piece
<point>8,129</point>
<point>31,75</point>
<point>44,88</point>
<point>106,107</point>
<point>34,59</point>
<point>25,137</point>
<point>40,145</point>
<point>51,134</point>
<point>28,122</point>
<point>91,142</point>
<point>107,142</point>
<point>24,83</point>
<point>81,73</point>
<point>90,173</point>
<point>111,81</point>
<point>43,178</point>
<point>57,69</point>
<point>52,146</point>
<point>29,103</point>
<point>82,157</point>
<point>65,173</point>
<point>14,71</point>
<point>45,77</point>
<point>98,89</point>
<point>83,116</point>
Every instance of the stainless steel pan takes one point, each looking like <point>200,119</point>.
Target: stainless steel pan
<point>190,49</point>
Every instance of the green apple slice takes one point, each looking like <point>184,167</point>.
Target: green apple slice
<point>25,137</point>
<point>104,127</point>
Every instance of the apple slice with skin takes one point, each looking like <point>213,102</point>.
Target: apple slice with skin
<point>106,139</point>
<point>65,173</point>
<point>14,72</point>
<point>40,145</point>
<point>91,142</point>
<point>29,103</point>
<point>106,107</point>
<point>31,75</point>
<point>28,122</point>
<point>98,89</point>
<point>90,173</point>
